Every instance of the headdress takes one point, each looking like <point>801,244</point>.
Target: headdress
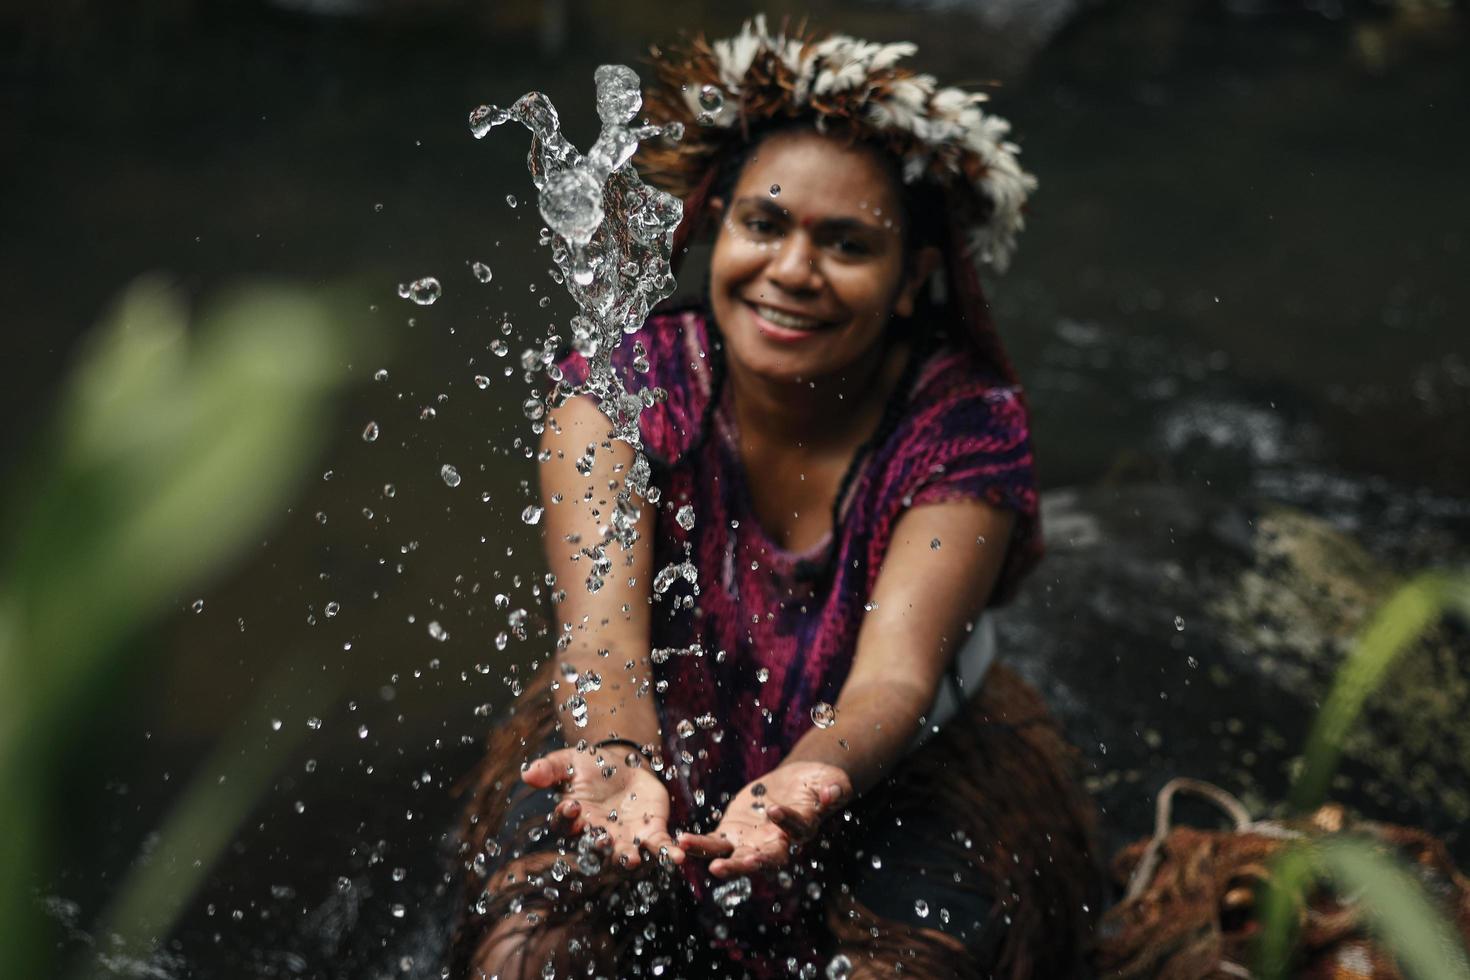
<point>721,90</point>
<point>724,91</point>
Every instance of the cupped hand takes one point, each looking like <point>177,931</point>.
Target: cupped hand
<point>631,805</point>
<point>768,818</point>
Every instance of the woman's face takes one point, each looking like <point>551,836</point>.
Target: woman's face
<point>803,281</point>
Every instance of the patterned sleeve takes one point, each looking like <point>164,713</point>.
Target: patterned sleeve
<point>978,443</point>
<point>666,426</point>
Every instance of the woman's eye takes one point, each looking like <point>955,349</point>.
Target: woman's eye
<point>851,246</point>
<point>760,226</point>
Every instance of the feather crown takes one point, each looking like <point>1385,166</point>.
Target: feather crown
<point>722,89</point>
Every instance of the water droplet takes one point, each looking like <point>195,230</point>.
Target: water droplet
<point>332,609</point>
<point>378,208</point>
<point>198,605</point>
<point>481,271</point>
<point>534,409</point>
<point>711,101</point>
<point>775,190</point>
<point>482,382</point>
<point>438,632</point>
<point>685,517</point>
<point>921,908</point>
<point>876,861</point>
<point>839,968</point>
<point>577,707</point>
<point>510,199</point>
<point>449,475</point>
<point>275,724</point>
<point>532,514</point>
<point>423,291</point>
<point>381,374</point>
<point>685,728</point>
<point>732,893</point>
<point>370,432</point>
<point>618,95</point>
<point>934,545</point>
<point>397,910</point>
<point>499,348</point>
<point>314,723</point>
<point>485,118</point>
<point>389,490</point>
<point>362,731</point>
<point>824,715</point>
<point>762,674</point>
<point>870,605</point>
<point>1179,623</point>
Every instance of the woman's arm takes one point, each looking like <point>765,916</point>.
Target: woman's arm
<point>924,599</point>
<point>607,631</point>
<point>608,637</point>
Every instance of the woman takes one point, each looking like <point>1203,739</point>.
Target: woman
<point>733,772</point>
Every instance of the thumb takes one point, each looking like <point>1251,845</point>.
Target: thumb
<point>549,770</point>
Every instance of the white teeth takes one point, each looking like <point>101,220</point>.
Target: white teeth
<point>787,320</point>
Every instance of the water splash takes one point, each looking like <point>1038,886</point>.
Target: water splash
<point>615,270</point>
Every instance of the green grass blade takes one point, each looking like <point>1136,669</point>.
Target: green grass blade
<point>1392,631</point>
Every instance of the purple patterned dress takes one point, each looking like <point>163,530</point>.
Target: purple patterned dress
<point>765,640</point>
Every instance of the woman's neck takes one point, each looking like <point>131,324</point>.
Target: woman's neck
<point>816,413</point>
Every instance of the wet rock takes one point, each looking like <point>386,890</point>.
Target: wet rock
<point>1269,600</point>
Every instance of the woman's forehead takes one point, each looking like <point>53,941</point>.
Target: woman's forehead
<point>805,171</point>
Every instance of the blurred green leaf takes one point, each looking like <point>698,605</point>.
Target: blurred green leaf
<point>1291,875</point>
<point>1394,906</point>
<point>1393,630</point>
<point>170,450</point>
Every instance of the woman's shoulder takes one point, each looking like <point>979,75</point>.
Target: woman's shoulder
<point>666,357</point>
<point>955,392</point>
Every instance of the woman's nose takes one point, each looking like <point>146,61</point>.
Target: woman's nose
<point>794,266</point>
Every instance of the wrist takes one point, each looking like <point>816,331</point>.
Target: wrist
<point>647,750</point>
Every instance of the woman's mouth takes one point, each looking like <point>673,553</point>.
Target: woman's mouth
<point>783,325</point>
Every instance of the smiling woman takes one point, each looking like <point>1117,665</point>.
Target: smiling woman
<point>732,742</point>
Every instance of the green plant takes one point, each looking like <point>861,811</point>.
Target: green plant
<point>169,450</point>
<point>1394,905</point>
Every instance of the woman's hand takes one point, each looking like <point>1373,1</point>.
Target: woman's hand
<point>783,808</point>
<point>632,804</point>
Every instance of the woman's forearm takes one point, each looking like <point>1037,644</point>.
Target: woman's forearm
<point>601,696</point>
<point>603,670</point>
<point>874,726</point>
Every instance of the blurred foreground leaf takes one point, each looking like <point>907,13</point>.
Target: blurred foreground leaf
<point>1394,906</point>
<point>1407,924</point>
<point>170,450</point>
<point>1391,632</point>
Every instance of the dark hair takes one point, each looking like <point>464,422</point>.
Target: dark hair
<point>922,210</point>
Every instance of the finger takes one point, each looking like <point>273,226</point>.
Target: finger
<point>549,770</point>
<point>743,861</point>
<point>795,823</point>
<point>659,842</point>
<point>628,857</point>
<point>564,816</point>
<point>706,845</point>
<point>831,795</point>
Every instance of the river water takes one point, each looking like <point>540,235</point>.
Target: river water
<point>1237,309</point>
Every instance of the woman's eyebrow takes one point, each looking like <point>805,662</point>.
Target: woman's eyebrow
<point>825,224</point>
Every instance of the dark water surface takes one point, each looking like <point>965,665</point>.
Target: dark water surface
<point>1239,310</point>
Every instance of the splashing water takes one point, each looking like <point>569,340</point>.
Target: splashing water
<point>615,270</point>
